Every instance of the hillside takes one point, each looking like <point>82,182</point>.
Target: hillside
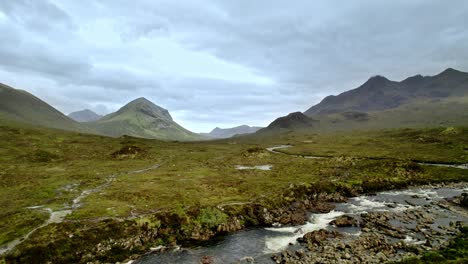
<point>293,121</point>
<point>84,116</point>
<point>379,93</point>
<point>142,118</point>
<point>230,132</point>
<point>431,101</point>
<point>21,106</point>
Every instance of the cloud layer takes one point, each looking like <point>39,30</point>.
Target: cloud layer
<point>221,63</point>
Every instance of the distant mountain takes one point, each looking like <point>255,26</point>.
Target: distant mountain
<point>293,121</point>
<point>418,101</point>
<point>230,132</point>
<point>379,93</point>
<point>21,106</point>
<point>84,116</point>
<point>142,118</point>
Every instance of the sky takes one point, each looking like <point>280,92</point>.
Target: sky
<point>221,62</point>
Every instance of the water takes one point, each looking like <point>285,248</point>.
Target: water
<point>258,167</point>
<point>261,243</point>
<point>60,215</point>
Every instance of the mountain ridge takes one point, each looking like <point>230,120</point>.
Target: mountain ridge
<point>21,106</point>
<point>379,93</point>
<point>230,132</point>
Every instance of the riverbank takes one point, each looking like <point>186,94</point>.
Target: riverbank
<point>132,237</point>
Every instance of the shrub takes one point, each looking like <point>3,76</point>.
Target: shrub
<point>211,217</point>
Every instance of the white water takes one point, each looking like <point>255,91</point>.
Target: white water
<point>292,233</point>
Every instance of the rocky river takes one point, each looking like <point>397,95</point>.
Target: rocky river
<point>377,228</point>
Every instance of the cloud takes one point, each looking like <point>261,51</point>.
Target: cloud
<point>221,63</point>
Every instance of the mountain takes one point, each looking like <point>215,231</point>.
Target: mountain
<point>230,132</point>
<point>379,93</point>
<point>293,121</point>
<point>84,116</point>
<point>142,118</point>
<point>418,101</point>
<point>21,106</point>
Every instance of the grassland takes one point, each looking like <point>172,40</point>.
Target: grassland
<point>52,167</point>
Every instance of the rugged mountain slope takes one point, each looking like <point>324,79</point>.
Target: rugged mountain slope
<point>21,106</point>
<point>431,101</point>
<point>379,93</point>
<point>142,118</point>
<point>84,116</point>
<point>230,132</point>
<point>293,121</point>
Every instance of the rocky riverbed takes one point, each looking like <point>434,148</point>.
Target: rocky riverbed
<point>386,227</point>
<point>376,228</point>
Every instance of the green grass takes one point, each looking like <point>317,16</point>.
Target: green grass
<point>51,168</point>
<point>446,145</point>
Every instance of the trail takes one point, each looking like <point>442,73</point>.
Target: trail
<point>59,216</point>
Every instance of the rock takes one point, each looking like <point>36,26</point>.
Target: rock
<point>322,208</point>
<point>344,221</point>
<point>248,259</point>
<point>299,218</point>
<point>463,200</point>
<point>207,260</point>
<point>316,237</point>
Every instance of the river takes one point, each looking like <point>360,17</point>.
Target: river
<point>261,243</point>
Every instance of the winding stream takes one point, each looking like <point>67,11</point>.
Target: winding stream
<point>59,216</point>
<point>275,148</point>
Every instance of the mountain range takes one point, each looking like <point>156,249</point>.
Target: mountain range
<point>417,101</point>
<point>139,118</point>
<point>230,132</point>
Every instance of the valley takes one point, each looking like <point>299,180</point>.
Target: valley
<point>196,192</point>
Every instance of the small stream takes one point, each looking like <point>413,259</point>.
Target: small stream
<point>59,216</point>
<point>260,243</point>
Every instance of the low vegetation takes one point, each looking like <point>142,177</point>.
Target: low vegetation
<point>146,184</point>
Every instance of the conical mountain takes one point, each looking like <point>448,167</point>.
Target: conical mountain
<point>21,106</point>
<point>293,121</point>
<point>142,118</point>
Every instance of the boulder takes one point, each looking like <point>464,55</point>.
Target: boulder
<point>344,221</point>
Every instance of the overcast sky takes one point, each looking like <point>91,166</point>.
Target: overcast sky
<point>221,63</point>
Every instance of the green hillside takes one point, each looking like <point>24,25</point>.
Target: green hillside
<point>21,106</point>
<point>141,118</point>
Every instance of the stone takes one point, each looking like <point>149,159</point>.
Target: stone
<point>207,260</point>
<point>344,221</point>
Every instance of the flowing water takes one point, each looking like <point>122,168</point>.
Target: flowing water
<point>261,243</point>
<point>59,216</point>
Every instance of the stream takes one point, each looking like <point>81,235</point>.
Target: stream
<point>260,244</point>
<point>59,215</point>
